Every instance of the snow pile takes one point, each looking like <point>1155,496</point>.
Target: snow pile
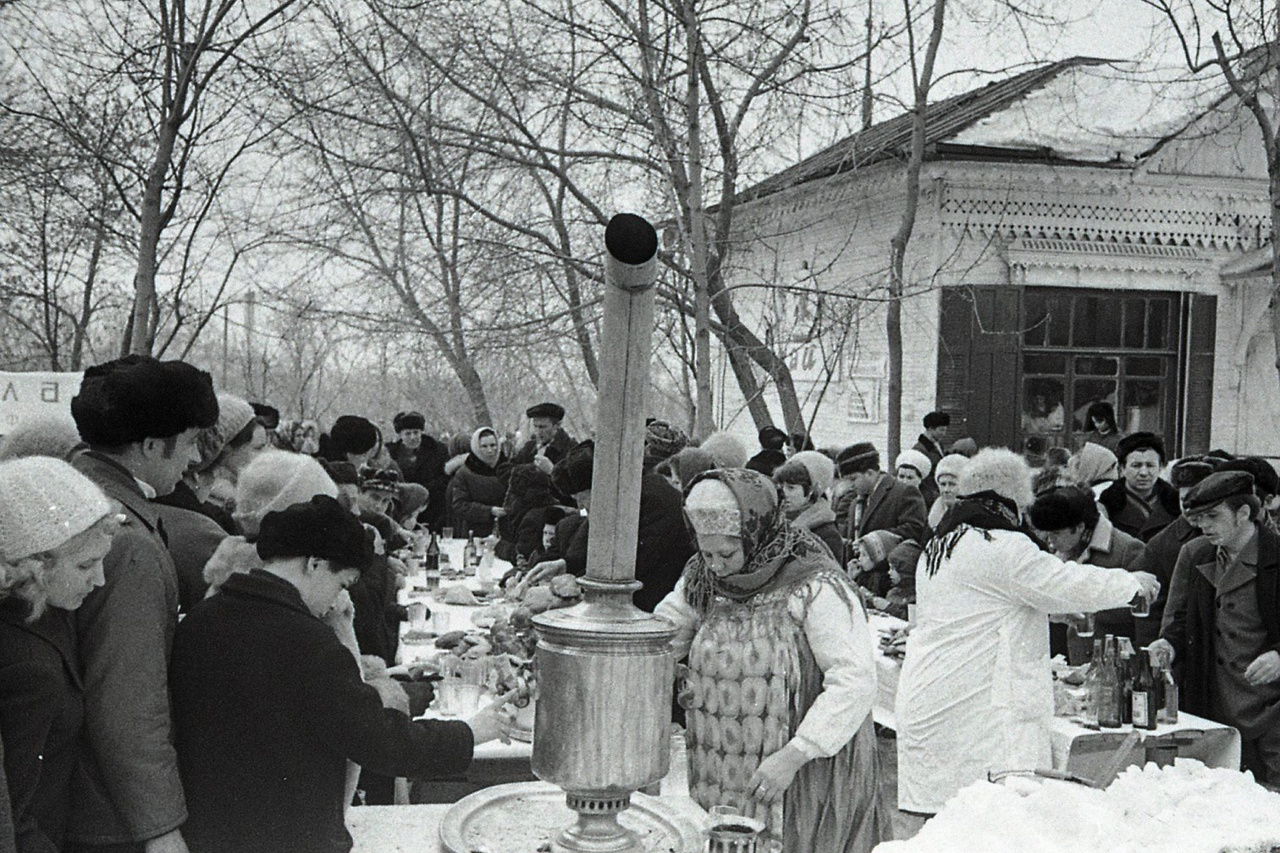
<point>1188,808</point>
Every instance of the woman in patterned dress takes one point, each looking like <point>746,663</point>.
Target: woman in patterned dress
<point>781,672</point>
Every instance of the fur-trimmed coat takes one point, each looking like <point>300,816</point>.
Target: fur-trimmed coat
<point>1165,508</point>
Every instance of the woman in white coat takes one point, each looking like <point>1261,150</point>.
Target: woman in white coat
<point>976,693</point>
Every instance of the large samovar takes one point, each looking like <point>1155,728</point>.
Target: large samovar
<point>605,668</point>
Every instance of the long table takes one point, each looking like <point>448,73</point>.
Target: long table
<point>1076,748</point>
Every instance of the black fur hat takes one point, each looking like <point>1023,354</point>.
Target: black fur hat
<point>572,474</point>
<point>319,528</point>
<point>139,397</point>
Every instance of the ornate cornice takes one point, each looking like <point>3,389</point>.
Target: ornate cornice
<point>1036,253</point>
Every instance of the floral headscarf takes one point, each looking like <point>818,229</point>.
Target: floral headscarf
<point>775,551</point>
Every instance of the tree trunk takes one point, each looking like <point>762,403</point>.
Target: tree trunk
<point>704,424</point>
<point>902,238</point>
<point>142,333</point>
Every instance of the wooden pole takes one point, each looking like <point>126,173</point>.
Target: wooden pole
<point>625,352</point>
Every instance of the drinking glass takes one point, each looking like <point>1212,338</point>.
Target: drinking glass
<point>1141,606</point>
<point>447,532</point>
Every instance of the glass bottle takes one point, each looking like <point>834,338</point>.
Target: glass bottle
<point>1168,711</point>
<point>1142,699</point>
<point>470,554</point>
<point>1127,666</point>
<point>1091,684</point>
<point>431,563</point>
<point>1109,689</point>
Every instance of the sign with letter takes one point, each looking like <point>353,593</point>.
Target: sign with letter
<point>41,394</point>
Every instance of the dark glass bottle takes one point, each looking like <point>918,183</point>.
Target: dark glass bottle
<point>1142,696</point>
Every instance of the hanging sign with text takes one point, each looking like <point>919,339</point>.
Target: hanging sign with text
<point>44,395</point>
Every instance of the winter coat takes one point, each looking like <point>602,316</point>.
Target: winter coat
<point>192,538</point>
<point>1159,559</point>
<point>475,489</point>
<point>821,519</point>
<point>126,787</point>
<point>892,505</point>
<point>1166,507</point>
<point>41,716</point>
<point>561,443</point>
<point>528,489</point>
<point>182,497</point>
<point>929,485</point>
<point>377,613</point>
<point>766,462</point>
<point>975,692</point>
<point>268,707</point>
<point>1189,622</point>
<point>662,548</point>
<point>425,466</point>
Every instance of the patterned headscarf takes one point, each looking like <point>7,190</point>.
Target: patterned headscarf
<point>775,552</point>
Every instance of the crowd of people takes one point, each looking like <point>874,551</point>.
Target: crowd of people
<point>198,607</point>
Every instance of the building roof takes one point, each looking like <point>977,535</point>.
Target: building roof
<point>1081,110</point>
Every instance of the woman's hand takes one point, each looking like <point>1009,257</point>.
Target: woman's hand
<point>1149,583</point>
<point>494,721</point>
<point>541,572</point>
<point>775,774</point>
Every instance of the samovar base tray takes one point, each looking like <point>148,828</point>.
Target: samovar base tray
<point>525,817</point>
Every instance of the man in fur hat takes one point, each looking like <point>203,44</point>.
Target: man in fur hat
<point>771,455</point>
<point>421,459</point>
<point>140,418</point>
<point>548,442</point>
<point>1222,623</point>
<point>931,443</point>
<point>1140,503</point>
<point>876,501</point>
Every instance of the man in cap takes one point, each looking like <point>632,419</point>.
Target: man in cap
<point>421,459</point>
<point>548,442</point>
<point>1163,548</point>
<point>1140,503</point>
<point>141,419</point>
<point>269,704</point>
<point>873,500</point>
<point>1221,626</point>
<point>771,455</point>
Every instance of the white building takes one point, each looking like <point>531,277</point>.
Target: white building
<point>1088,230</point>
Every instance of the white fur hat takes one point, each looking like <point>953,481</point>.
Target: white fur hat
<point>822,470</point>
<point>913,458</point>
<point>1001,471</point>
<point>46,502</point>
<point>276,479</point>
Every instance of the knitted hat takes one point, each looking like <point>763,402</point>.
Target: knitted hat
<point>772,438</point>
<point>572,474</point>
<point>998,470</point>
<point>662,440</point>
<point>276,479</point>
<point>953,464</point>
<point>1139,441</point>
<point>728,450</point>
<point>1185,473</point>
<point>554,411</point>
<point>822,471</point>
<point>139,397</point>
<point>411,499</point>
<point>915,460</point>
<point>713,509</point>
<point>234,414</point>
<point>387,480</point>
<point>903,558</point>
<point>409,420</point>
<point>319,528</point>
<point>877,544</point>
<point>46,502</point>
<point>856,458</point>
<point>353,434</point>
<point>966,447</point>
<point>41,435</point>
